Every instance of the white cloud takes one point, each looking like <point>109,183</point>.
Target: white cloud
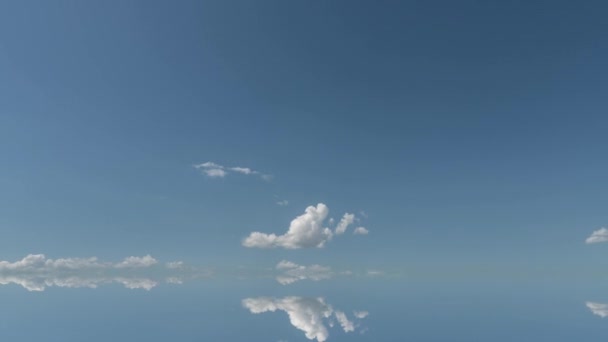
<point>35,272</point>
<point>346,220</point>
<point>305,231</point>
<point>598,309</point>
<point>283,203</point>
<point>214,170</point>
<point>361,314</point>
<point>600,235</point>
<point>361,231</point>
<point>306,314</point>
<point>293,272</point>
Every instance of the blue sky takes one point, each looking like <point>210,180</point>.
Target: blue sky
<point>456,130</point>
<point>463,135</point>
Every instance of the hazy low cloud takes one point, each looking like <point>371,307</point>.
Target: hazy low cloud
<point>598,309</point>
<point>133,262</point>
<point>35,272</point>
<point>307,314</point>
<point>305,231</point>
<point>600,235</point>
<point>374,273</point>
<point>292,272</point>
<point>214,170</point>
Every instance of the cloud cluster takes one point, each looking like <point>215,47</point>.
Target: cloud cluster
<point>306,314</point>
<point>305,231</point>
<point>35,272</point>
<point>600,235</point>
<point>214,170</point>
<point>598,309</point>
<point>292,272</point>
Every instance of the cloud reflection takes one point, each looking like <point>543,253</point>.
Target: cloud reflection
<point>35,272</point>
<point>306,314</point>
<point>292,272</point>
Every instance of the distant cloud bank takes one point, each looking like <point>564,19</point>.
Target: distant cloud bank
<point>306,314</point>
<point>213,170</point>
<point>305,231</point>
<point>35,272</point>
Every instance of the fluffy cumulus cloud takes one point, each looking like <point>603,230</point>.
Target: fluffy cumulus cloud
<point>598,309</point>
<point>35,272</point>
<point>292,272</point>
<point>305,231</point>
<point>600,235</point>
<point>307,314</point>
<point>214,170</point>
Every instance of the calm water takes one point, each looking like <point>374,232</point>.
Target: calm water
<point>260,309</point>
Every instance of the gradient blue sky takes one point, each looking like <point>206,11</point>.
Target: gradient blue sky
<point>464,130</point>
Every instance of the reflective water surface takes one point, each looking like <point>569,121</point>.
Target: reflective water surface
<point>142,298</point>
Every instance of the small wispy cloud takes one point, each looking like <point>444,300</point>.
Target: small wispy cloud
<point>598,309</point>
<point>345,323</point>
<point>600,235</point>
<point>307,314</point>
<point>214,170</point>
<point>361,231</point>
<point>35,272</point>
<point>292,272</point>
<point>346,221</point>
<point>283,203</point>
<point>361,314</point>
<point>305,231</point>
